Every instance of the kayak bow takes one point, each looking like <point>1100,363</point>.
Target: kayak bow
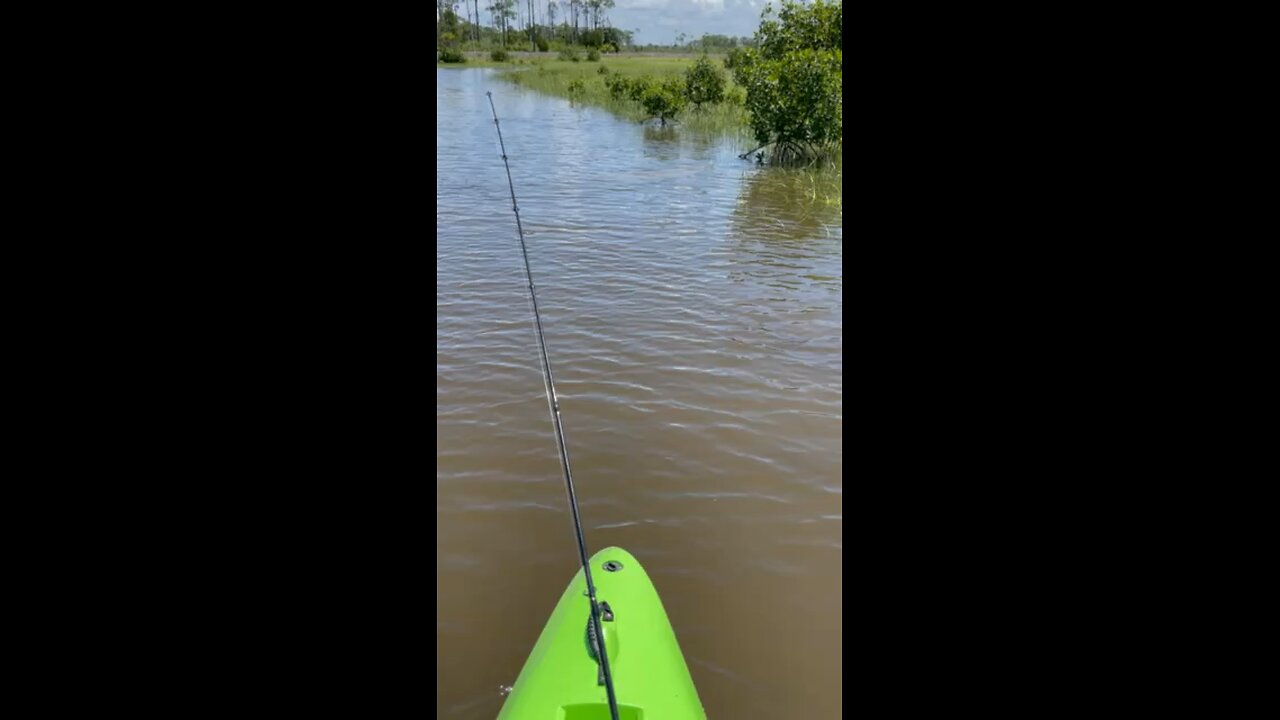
<point>561,679</point>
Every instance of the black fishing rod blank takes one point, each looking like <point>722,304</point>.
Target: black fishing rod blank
<point>553,402</point>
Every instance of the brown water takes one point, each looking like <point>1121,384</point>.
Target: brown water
<point>692,304</point>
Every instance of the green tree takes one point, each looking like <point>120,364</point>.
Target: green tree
<point>502,12</point>
<point>449,37</point>
<point>530,19</point>
<point>597,8</point>
<point>718,41</point>
<point>793,80</point>
<point>639,87</point>
<point>731,58</point>
<point>508,14</point>
<point>615,37</point>
<point>619,86</point>
<point>704,82</point>
<point>448,27</point>
<point>664,100</point>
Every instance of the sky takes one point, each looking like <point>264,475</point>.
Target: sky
<point>659,20</point>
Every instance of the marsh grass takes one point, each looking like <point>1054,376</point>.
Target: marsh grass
<point>484,59</point>
<point>801,203</point>
<point>555,77</point>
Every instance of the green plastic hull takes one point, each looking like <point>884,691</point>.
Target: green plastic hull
<point>560,680</point>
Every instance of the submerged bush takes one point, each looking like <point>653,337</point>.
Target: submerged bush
<point>625,88</point>
<point>569,54</point>
<point>452,55</point>
<point>664,100</point>
<point>543,45</point>
<point>639,87</point>
<point>594,55</point>
<point>603,70</point>
<point>704,83</point>
<point>499,56</point>
<point>617,86</point>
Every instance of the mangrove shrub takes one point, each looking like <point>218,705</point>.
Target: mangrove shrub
<point>793,80</point>
<point>639,87</point>
<point>664,100</point>
<point>731,58</point>
<point>617,85</point>
<point>704,83</point>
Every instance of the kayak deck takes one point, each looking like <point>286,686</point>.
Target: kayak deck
<point>561,679</point>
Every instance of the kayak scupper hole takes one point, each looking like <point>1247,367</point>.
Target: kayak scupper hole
<point>612,566</point>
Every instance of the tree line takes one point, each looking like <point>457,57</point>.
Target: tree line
<point>582,22</point>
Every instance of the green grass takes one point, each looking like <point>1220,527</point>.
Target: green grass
<point>482,60</point>
<point>545,73</point>
<point>553,77</point>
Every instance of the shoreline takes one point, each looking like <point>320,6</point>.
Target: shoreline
<point>547,74</point>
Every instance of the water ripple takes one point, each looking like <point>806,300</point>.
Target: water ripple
<point>693,305</point>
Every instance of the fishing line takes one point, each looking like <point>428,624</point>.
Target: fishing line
<point>553,402</point>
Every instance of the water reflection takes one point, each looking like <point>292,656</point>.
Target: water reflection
<point>791,204</point>
<point>788,228</point>
<point>661,142</point>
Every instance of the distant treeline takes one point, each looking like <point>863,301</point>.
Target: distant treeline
<point>515,24</point>
<point>527,22</point>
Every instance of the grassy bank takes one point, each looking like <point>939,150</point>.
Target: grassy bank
<point>547,74</point>
<point>554,78</point>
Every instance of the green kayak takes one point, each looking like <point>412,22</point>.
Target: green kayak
<point>561,679</point>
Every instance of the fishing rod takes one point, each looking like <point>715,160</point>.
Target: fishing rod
<point>553,402</point>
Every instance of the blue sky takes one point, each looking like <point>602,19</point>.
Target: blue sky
<point>660,20</point>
